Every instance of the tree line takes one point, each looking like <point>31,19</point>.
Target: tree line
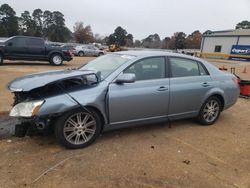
<point>51,26</point>
<point>46,24</point>
<point>178,41</point>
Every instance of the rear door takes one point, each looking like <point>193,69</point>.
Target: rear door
<point>86,50</point>
<point>91,50</point>
<point>189,83</point>
<point>147,97</point>
<point>35,48</point>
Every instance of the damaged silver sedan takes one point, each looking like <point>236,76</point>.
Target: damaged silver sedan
<point>119,90</point>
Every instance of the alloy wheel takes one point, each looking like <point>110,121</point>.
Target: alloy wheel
<point>79,128</point>
<point>57,60</point>
<point>211,110</point>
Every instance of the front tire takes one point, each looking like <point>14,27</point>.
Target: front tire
<point>210,111</point>
<point>100,54</point>
<point>56,60</point>
<point>81,54</point>
<point>78,128</point>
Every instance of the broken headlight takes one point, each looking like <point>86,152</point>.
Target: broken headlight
<point>26,109</point>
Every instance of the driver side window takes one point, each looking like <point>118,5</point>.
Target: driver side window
<point>149,68</point>
<point>18,42</point>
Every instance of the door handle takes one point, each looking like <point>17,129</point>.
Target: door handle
<point>205,84</point>
<point>162,88</point>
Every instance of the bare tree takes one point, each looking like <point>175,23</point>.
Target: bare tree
<point>193,41</point>
<point>83,34</point>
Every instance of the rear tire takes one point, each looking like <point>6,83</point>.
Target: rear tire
<point>210,111</point>
<point>1,59</point>
<point>78,128</point>
<point>81,54</point>
<point>56,60</point>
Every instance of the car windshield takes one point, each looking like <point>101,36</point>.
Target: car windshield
<point>106,64</point>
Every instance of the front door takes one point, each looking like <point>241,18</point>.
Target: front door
<point>87,51</point>
<point>16,48</point>
<point>146,98</point>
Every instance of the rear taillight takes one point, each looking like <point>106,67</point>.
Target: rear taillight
<point>67,52</point>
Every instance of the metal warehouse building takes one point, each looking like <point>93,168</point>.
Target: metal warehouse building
<point>229,42</point>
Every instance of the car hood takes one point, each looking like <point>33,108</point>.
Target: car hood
<point>32,81</point>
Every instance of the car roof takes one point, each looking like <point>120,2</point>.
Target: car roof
<point>143,52</point>
<point>150,53</point>
<point>84,45</point>
<point>22,36</point>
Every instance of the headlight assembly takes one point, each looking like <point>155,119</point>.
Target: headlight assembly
<point>26,109</point>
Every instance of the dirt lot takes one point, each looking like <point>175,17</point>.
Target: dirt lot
<point>187,155</point>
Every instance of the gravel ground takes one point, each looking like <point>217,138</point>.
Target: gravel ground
<point>7,126</point>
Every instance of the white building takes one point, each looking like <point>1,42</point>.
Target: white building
<point>224,41</point>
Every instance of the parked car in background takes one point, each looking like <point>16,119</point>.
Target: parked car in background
<point>88,50</point>
<point>98,45</point>
<point>119,90</point>
<point>32,49</point>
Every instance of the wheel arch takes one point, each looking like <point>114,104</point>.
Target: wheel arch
<point>88,107</point>
<point>53,53</point>
<point>80,51</point>
<point>98,111</point>
<point>216,92</point>
<point>217,95</point>
<point>221,98</point>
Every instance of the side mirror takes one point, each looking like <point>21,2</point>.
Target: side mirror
<point>10,43</point>
<point>125,78</point>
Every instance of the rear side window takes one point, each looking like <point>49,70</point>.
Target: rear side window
<point>91,47</point>
<point>147,69</point>
<point>181,67</point>
<point>34,42</point>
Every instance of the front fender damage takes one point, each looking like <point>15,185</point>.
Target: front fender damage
<point>60,97</point>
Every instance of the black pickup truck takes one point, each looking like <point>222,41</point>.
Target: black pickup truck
<point>34,49</point>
